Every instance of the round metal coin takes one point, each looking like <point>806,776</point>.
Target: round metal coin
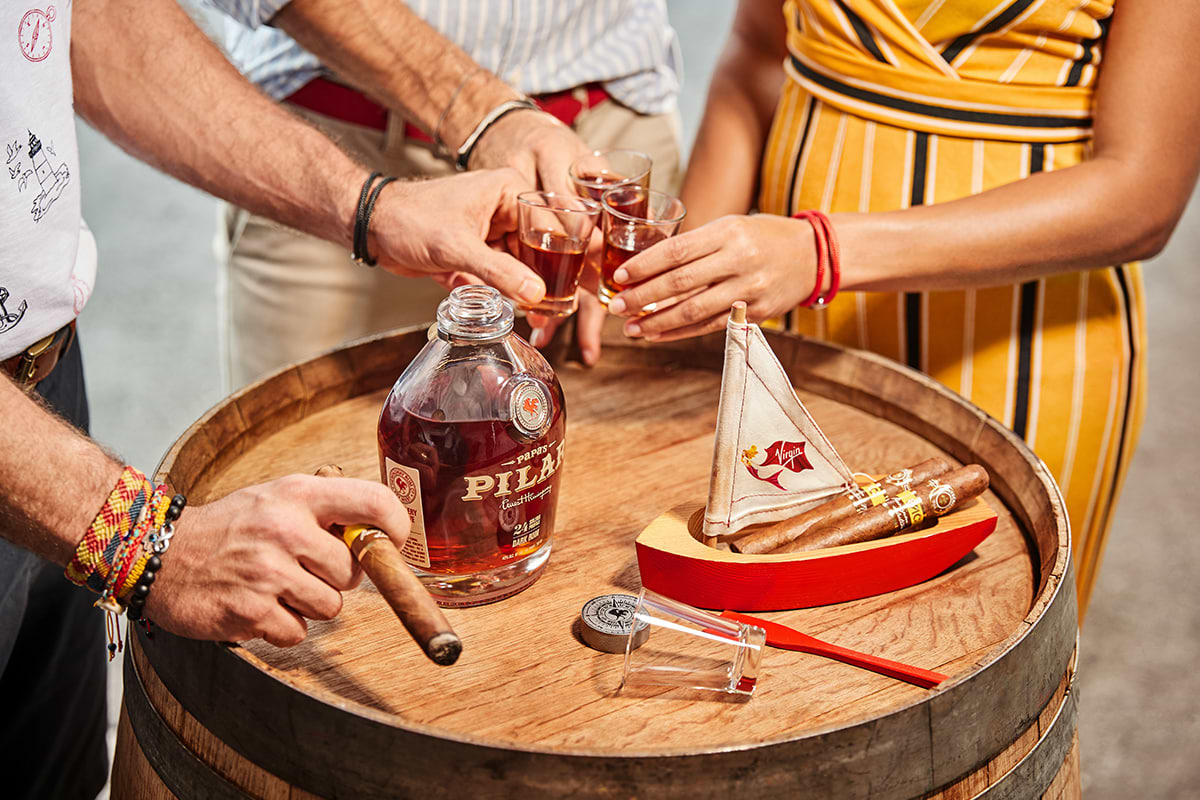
<point>607,620</point>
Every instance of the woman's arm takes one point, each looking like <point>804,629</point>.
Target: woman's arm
<point>1119,206</point>
<point>723,169</point>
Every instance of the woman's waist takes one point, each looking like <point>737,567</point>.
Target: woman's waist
<point>931,102</point>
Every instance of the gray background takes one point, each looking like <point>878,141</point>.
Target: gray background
<point>149,337</point>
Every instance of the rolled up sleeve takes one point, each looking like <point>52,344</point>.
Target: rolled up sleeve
<point>251,13</point>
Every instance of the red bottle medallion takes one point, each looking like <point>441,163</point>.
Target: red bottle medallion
<point>530,407</point>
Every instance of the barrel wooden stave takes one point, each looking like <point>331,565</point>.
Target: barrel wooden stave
<point>1050,745</point>
<point>226,448</point>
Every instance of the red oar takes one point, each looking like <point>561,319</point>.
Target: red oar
<point>786,638</point>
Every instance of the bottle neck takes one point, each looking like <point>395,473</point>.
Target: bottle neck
<point>474,314</point>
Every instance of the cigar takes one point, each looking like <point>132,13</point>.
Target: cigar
<point>930,498</point>
<point>849,504</point>
<point>402,590</point>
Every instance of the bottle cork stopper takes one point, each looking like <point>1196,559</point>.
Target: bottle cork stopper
<point>738,314</point>
<point>607,621</point>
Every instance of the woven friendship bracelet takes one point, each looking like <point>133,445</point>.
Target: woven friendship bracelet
<point>157,546</point>
<point>131,567</point>
<point>152,532</point>
<point>107,530</point>
<point>130,552</point>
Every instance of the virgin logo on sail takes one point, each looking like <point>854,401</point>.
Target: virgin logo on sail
<point>786,455</point>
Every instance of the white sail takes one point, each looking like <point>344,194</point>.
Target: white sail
<point>770,460</point>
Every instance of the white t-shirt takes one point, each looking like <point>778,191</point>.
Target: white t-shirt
<point>47,253</point>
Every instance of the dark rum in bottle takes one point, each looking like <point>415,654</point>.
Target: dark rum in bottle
<point>472,441</point>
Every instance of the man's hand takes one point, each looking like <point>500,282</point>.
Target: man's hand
<point>533,143</point>
<point>259,562</point>
<point>457,224</point>
<point>542,149</point>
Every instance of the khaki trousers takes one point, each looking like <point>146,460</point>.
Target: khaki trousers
<point>284,296</point>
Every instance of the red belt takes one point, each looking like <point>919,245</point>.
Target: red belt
<point>350,105</point>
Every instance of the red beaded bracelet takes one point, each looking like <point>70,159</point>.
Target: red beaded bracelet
<point>827,251</point>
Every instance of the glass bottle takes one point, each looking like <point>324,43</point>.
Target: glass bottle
<point>471,439</point>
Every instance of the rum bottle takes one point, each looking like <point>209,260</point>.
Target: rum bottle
<point>471,439</point>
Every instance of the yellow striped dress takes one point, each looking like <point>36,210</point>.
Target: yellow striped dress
<point>893,103</point>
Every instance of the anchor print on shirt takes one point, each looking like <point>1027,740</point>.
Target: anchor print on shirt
<point>9,319</point>
<point>51,179</point>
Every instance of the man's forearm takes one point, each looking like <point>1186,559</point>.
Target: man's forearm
<point>391,53</point>
<point>183,108</point>
<point>54,479</point>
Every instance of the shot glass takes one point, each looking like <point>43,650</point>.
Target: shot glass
<point>635,218</point>
<point>692,649</point>
<point>553,234</point>
<point>601,170</point>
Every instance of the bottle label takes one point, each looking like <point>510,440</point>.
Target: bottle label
<point>405,483</point>
<point>522,482</point>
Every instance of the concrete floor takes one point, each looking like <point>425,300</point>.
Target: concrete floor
<point>154,308</point>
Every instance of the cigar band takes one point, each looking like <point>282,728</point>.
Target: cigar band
<point>941,497</point>
<point>864,497</point>
<point>901,478</point>
<point>356,536</point>
<point>906,510</point>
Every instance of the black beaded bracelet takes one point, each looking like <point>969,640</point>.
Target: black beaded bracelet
<point>160,540</point>
<point>362,218</point>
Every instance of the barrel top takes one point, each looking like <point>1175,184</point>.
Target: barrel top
<point>639,442</point>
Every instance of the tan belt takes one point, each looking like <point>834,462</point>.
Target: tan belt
<point>38,360</point>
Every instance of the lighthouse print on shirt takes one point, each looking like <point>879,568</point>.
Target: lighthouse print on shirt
<point>40,171</point>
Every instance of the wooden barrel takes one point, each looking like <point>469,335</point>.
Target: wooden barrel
<point>529,711</point>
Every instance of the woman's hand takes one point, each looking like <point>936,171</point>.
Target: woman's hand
<point>766,260</point>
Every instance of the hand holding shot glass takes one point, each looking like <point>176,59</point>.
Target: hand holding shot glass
<point>635,219</point>
<point>553,234</point>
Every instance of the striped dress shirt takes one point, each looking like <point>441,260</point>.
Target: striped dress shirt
<point>537,46</point>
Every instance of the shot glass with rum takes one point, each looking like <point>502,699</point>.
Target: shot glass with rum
<point>553,234</point>
<point>627,233</point>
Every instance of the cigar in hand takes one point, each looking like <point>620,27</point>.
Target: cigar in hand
<point>770,538</point>
<point>402,590</point>
<point>930,498</point>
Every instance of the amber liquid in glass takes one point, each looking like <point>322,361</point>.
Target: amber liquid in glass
<point>597,185</point>
<point>488,495</point>
<point>621,243</point>
<point>558,259</point>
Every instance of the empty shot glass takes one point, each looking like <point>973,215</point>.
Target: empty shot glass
<point>691,649</point>
<point>635,218</point>
<point>600,170</point>
<point>553,234</point>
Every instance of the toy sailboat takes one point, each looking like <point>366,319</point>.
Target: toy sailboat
<point>771,462</point>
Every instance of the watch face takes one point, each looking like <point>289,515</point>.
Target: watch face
<point>34,35</point>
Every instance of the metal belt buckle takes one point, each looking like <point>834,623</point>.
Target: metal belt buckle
<point>27,368</point>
